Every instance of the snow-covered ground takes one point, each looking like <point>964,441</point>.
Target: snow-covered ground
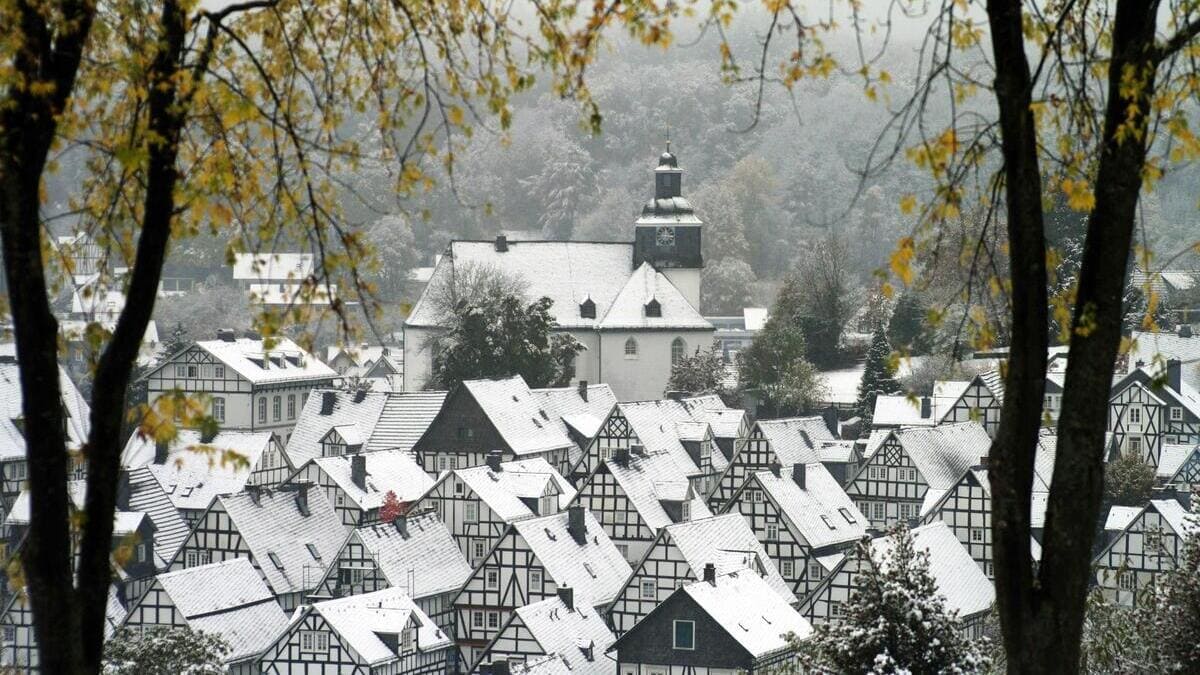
<point>843,382</point>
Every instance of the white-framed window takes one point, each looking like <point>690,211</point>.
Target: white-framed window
<point>686,511</point>
<point>879,510</point>
<point>815,572</point>
<point>193,371</point>
<point>219,371</point>
<point>478,550</point>
<point>976,534</point>
<point>772,531</point>
<point>262,409</point>
<point>19,470</point>
<point>787,568</point>
<point>218,409</point>
<point>277,408</point>
<point>493,619</point>
<point>906,510</point>
<point>471,512</point>
<point>180,370</point>
<point>1127,581</point>
<point>846,514</point>
<point>189,560</point>
<point>291,406</point>
<point>441,463</point>
<point>535,580</point>
<point>678,350</point>
<point>477,619</point>
<point>1135,415</point>
<point>649,589</point>
<point>408,640</point>
<point>631,348</point>
<point>683,634</point>
<point>1135,444</point>
<point>1176,413</point>
<point>756,496</point>
<point>835,609</point>
<point>314,641</point>
<point>990,571</point>
<point>491,579</point>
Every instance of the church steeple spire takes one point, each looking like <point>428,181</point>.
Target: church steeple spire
<point>667,176</point>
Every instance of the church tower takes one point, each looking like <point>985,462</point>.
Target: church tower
<point>667,235</point>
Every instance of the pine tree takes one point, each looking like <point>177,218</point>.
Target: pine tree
<point>896,622</point>
<point>878,375</point>
<point>906,327</point>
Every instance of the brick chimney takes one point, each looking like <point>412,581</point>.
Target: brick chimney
<point>576,526</point>
<point>774,467</point>
<point>160,452</point>
<point>501,243</point>
<point>926,407</point>
<point>710,573</point>
<point>800,474</point>
<point>1174,373</point>
<point>583,389</point>
<point>621,456</point>
<point>302,498</point>
<point>358,470</point>
<point>493,460</point>
<point>567,595</point>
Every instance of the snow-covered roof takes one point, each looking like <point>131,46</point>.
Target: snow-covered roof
<point>285,361</point>
<point>387,470</point>
<point>195,473</point>
<point>567,272</point>
<point>583,416</point>
<point>272,266</point>
<point>359,620</point>
<point>12,440</point>
<point>750,611</point>
<point>820,511</point>
<point>943,453</point>
<point>423,561</point>
<point>561,633</point>
<point>1119,517</point>
<point>124,522</point>
<point>795,439</point>
<point>1173,456</point>
<point>1153,349</point>
<point>358,409</point>
<point>654,424</point>
<point>502,490</point>
<point>1178,517</point>
<point>272,525</point>
<point>647,479</point>
<point>725,422</point>
<point>518,415</point>
<point>228,599</point>
<point>755,317</point>
<point>965,587</point>
<point>628,309</point>
<point>170,529</point>
<point>595,569</point>
<point>729,544</point>
<point>405,417</point>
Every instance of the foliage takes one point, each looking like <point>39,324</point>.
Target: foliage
<point>726,287</point>
<point>396,253</point>
<point>495,337</point>
<point>1144,311</point>
<point>896,620</point>
<point>703,372</point>
<point>775,365</point>
<point>906,329</point>
<point>817,298</point>
<point>198,314</point>
<point>934,367</point>
<point>392,508</point>
<point>878,375</point>
<point>160,650</point>
<point>1128,480</point>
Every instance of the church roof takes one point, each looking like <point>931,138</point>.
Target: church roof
<point>628,310</point>
<point>669,210</point>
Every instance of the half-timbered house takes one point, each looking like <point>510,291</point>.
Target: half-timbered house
<point>380,633</point>
<point>803,519</point>
<point>375,420</point>
<point>719,625</point>
<point>634,494</point>
<point>730,426</point>
<point>291,535</point>
<point>226,599</point>
<point>958,579</point>
<point>414,553</point>
<point>244,384</point>
<point>781,441</point>
<point>529,563</point>
<point>481,416</point>
<point>553,635</point>
<point>910,468</point>
<point>18,642</point>
<point>579,410</point>
<point>479,503</point>
<point>1179,466</point>
<point>1146,412</point>
<point>679,555</point>
<point>1150,543</point>
<point>357,482</point>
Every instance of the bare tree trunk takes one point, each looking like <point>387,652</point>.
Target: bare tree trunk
<point>47,62</point>
<point>1042,618</point>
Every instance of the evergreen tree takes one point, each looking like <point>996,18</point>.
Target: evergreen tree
<point>878,375</point>
<point>896,621</point>
<point>1128,481</point>
<point>776,366</point>
<point>906,327</point>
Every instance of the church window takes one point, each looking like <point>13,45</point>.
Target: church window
<point>678,349</point>
<point>653,308</point>
<point>631,348</point>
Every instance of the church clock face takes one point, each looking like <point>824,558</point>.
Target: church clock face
<point>665,236</point>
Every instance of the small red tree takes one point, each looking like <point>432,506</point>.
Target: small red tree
<point>392,507</point>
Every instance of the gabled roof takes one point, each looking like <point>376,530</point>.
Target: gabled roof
<point>654,424</point>
<point>966,588</point>
<point>1153,349</point>
<point>584,417</point>
<point>170,529</point>
<point>750,612</point>
<point>647,478</point>
<point>195,473</point>
<point>820,511</point>
<point>1119,517</point>
<point>1173,456</point>
<point>424,562</point>
<point>727,542</point>
<point>520,417</point>
<point>405,417</point>
<point>567,272</point>
<point>943,453</point>
<point>595,569</point>
<point>124,522</point>
<point>1152,381</point>
<point>646,284</point>
<point>1176,516</point>
<point>561,633</point>
<point>359,409</point>
<point>795,439</point>
<point>284,362</point>
<point>359,620</point>
<point>387,470</point>
<point>502,490</point>
<point>12,442</point>
<point>725,422</point>
<point>273,527</point>
<point>272,266</point>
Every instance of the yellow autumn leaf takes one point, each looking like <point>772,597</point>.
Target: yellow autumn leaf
<point>908,203</point>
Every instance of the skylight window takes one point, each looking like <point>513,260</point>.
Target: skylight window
<point>588,567</point>
<point>275,560</point>
<point>312,550</point>
<point>828,523</point>
<point>846,514</point>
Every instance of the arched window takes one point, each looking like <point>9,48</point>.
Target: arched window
<point>678,350</point>
<point>631,349</point>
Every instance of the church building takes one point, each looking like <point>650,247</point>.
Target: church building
<point>633,305</point>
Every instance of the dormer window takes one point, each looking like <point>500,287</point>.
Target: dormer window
<point>587,309</point>
<point>653,308</point>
